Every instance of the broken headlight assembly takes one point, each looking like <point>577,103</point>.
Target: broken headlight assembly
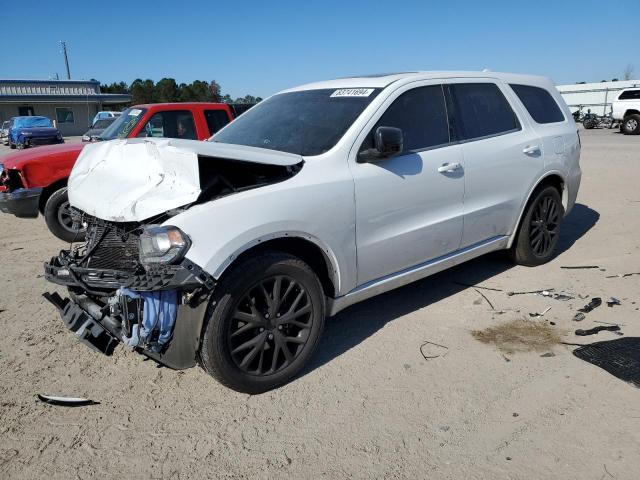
<point>162,244</point>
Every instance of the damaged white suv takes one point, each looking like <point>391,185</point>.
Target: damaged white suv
<point>230,253</point>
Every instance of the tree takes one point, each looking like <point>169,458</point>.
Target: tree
<point>142,91</point>
<point>166,90</point>
<point>120,87</point>
<point>215,91</point>
<point>628,73</point>
<point>227,99</point>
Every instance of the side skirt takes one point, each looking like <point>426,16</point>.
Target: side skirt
<point>410,275</point>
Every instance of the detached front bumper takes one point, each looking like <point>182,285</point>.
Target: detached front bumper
<point>22,202</point>
<point>94,327</point>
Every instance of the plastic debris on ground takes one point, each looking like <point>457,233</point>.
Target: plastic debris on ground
<point>66,401</point>
<point>619,357</point>
<point>579,267</point>
<point>595,330</point>
<point>613,301</point>
<point>593,304</point>
<point>535,314</point>
<point>578,317</point>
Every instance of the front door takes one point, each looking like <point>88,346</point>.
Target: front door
<point>409,207</point>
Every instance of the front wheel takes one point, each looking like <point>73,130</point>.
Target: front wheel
<point>57,214</point>
<point>263,323</point>
<point>539,229</point>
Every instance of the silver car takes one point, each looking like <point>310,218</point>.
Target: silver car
<point>4,133</point>
<point>231,253</point>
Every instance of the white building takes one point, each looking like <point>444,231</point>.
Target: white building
<point>594,96</point>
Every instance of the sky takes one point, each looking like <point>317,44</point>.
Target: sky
<point>262,47</point>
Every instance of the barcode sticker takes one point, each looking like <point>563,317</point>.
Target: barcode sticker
<point>352,92</point>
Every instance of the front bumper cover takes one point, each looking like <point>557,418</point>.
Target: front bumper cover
<point>101,332</point>
<point>22,202</point>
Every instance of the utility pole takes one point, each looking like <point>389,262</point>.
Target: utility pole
<point>66,59</point>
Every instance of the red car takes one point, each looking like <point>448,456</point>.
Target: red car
<point>35,181</point>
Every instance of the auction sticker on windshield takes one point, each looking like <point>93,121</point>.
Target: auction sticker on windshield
<point>135,112</point>
<point>352,92</point>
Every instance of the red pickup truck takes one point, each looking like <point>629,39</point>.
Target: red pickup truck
<point>35,181</point>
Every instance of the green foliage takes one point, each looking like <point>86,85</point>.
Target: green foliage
<point>167,90</point>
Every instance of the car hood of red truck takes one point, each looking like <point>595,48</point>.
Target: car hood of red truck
<point>18,160</point>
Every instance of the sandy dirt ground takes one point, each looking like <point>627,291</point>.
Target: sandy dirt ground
<point>506,403</point>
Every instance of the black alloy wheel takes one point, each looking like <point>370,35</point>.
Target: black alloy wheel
<point>543,227</point>
<point>270,325</point>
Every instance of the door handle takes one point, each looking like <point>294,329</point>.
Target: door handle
<point>449,167</point>
<point>532,151</point>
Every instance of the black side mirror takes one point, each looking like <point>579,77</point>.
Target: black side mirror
<point>387,142</point>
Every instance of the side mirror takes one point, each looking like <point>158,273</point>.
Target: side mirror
<point>387,142</point>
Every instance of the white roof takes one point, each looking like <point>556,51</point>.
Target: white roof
<point>384,80</point>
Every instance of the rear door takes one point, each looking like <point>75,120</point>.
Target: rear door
<point>409,207</point>
<point>502,156</point>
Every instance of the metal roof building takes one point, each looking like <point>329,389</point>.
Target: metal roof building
<point>71,104</point>
<point>596,97</point>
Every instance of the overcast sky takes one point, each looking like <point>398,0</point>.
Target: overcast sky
<point>261,47</point>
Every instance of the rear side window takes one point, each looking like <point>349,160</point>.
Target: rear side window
<point>216,119</point>
<point>421,115</point>
<point>539,103</point>
<point>630,95</point>
<point>481,110</point>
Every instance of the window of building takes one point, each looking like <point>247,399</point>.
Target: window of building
<point>539,103</point>
<point>64,115</point>
<point>481,110</point>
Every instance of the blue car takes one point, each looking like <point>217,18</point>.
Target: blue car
<point>30,131</point>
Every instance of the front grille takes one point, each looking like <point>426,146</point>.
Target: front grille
<point>42,140</point>
<point>112,246</point>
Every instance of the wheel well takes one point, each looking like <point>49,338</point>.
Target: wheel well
<point>631,112</point>
<point>48,191</point>
<point>305,250</point>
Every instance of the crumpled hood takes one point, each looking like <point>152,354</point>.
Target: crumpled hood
<point>135,179</point>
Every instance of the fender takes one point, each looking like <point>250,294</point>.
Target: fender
<point>331,260</point>
<point>565,200</point>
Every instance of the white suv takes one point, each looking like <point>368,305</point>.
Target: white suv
<point>626,108</point>
<point>231,252</point>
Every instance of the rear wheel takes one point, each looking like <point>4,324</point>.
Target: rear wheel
<point>57,214</point>
<point>631,125</point>
<point>540,229</point>
<point>263,324</point>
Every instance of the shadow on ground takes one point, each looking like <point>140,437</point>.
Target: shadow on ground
<point>355,324</point>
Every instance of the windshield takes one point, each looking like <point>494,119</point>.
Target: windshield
<point>307,123</point>
<point>104,123</point>
<point>122,126</point>
<point>32,122</point>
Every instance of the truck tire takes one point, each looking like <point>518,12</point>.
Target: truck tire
<point>58,217</point>
<point>539,229</point>
<point>631,125</point>
<point>263,323</point>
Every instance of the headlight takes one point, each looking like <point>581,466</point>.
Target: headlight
<point>160,244</point>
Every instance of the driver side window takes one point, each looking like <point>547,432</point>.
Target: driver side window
<point>170,124</point>
<point>421,114</point>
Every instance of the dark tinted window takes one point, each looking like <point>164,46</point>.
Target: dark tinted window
<point>307,122</point>
<point>481,110</point>
<point>170,124</point>
<point>539,103</point>
<point>216,119</point>
<point>630,95</point>
<point>421,115</point>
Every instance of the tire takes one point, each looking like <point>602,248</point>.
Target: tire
<point>12,146</point>
<point>57,216</point>
<point>539,229</point>
<point>631,125</point>
<point>239,302</point>
<point>589,124</point>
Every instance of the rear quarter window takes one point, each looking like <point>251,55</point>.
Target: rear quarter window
<point>630,95</point>
<point>539,103</point>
